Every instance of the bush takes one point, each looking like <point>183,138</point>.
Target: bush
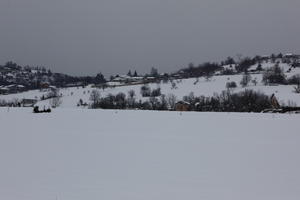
<point>120,101</point>
<point>231,85</point>
<point>297,89</point>
<point>51,94</point>
<point>245,64</point>
<point>274,75</point>
<point>228,72</point>
<point>55,102</point>
<point>36,110</point>
<point>156,92</point>
<point>294,80</point>
<point>246,101</point>
<point>145,91</point>
<point>259,67</point>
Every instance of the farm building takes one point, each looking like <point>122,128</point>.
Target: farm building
<point>28,102</point>
<point>182,106</point>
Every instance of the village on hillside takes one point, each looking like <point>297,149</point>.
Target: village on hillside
<point>192,88</point>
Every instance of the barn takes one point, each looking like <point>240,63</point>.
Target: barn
<point>182,106</point>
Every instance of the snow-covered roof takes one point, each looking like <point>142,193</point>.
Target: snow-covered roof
<point>183,102</point>
<point>10,74</point>
<point>289,54</point>
<point>3,88</point>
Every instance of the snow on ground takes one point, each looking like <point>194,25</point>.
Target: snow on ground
<point>71,96</point>
<point>76,154</point>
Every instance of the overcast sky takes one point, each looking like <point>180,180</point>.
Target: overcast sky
<point>84,37</point>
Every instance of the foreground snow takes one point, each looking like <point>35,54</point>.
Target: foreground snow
<point>80,154</point>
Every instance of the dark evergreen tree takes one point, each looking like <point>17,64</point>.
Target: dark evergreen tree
<point>154,72</point>
<point>100,79</point>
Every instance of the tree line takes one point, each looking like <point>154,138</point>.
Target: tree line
<point>245,101</point>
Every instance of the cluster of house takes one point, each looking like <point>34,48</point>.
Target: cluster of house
<point>126,80</point>
<point>19,103</point>
<point>14,80</point>
<point>13,88</point>
<point>286,58</point>
<point>120,80</point>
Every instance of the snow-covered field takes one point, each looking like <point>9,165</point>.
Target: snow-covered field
<point>82,154</point>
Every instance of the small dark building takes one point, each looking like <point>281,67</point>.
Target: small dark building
<point>28,102</point>
<point>4,90</point>
<point>182,106</point>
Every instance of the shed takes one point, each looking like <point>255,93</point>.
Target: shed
<point>28,102</point>
<point>182,106</point>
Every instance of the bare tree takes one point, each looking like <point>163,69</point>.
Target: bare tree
<point>173,85</point>
<point>154,103</point>
<point>145,91</point>
<point>231,85</point>
<point>254,81</point>
<point>95,96</point>
<point>245,80</point>
<point>297,89</point>
<point>131,93</point>
<point>55,102</point>
<point>171,99</point>
<point>131,98</point>
<point>163,104</point>
<point>208,76</point>
<point>52,93</point>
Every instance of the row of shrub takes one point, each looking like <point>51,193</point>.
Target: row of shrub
<point>245,101</point>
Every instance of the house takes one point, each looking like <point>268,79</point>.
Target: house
<point>182,106</point>
<point>45,85</point>
<point>77,84</point>
<point>289,57</point>
<point>28,102</point>
<point>125,79</point>
<point>15,88</point>
<point>4,90</point>
<point>265,57</point>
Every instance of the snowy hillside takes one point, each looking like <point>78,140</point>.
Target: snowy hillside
<point>217,84</point>
<point>74,154</point>
<point>206,86</point>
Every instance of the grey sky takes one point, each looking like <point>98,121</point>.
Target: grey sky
<point>87,36</point>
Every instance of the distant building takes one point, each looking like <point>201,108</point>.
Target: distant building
<point>28,102</point>
<point>129,79</point>
<point>291,56</point>
<point>182,106</point>
<point>45,85</point>
<point>15,88</point>
<point>77,84</point>
<point>4,90</point>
